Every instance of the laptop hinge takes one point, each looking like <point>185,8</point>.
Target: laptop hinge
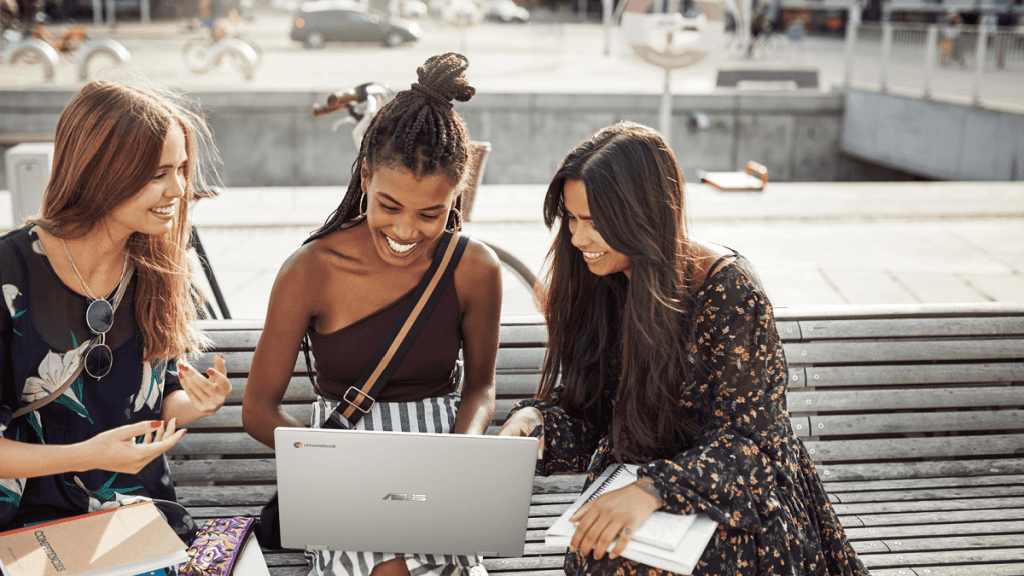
<point>311,547</point>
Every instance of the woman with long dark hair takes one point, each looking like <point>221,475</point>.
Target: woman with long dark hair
<point>100,283</point>
<point>663,352</point>
<point>345,287</point>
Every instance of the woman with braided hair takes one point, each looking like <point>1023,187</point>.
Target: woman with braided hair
<point>347,284</point>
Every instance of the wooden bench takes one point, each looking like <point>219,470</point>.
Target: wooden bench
<point>914,415</point>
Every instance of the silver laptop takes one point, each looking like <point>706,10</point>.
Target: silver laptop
<point>404,492</point>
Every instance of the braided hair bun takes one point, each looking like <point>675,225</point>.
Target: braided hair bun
<point>441,77</point>
<point>418,130</point>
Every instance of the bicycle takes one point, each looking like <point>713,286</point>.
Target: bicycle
<point>199,53</point>
<point>768,45</point>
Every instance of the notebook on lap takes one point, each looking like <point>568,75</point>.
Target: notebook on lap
<point>401,492</point>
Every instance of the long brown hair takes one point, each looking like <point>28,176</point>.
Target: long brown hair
<point>419,129</point>
<point>635,330</point>
<point>107,147</point>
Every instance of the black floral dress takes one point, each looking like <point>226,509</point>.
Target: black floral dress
<point>43,331</point>
<point>747,470</point>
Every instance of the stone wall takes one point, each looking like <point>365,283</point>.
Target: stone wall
<point>934,139</point>
<point>270,139</point>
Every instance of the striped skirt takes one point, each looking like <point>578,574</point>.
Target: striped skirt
<point>435,415</point>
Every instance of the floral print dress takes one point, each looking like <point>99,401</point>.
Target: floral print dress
<point>747,470</point>
<point>44,332</point>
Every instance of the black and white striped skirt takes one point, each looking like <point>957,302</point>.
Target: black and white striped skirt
<point>436,415</point>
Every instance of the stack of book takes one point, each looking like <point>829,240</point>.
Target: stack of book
<point>668,541</point>
<point>127,541</point>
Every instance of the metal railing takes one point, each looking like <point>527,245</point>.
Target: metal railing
<point>971,64</point>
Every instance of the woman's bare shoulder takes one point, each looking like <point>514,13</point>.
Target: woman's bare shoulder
<point>710,258</point>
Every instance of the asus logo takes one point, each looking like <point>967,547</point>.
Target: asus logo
<point>397,496</point>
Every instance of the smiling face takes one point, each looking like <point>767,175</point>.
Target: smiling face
<point>152,210</point>
<point>405,213</point>
<point>599,256</point>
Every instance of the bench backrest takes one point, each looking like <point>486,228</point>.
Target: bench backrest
<point>875,392</point>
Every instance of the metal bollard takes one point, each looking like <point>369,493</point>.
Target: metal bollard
<point>99,46</point>
<point>33,46</point>
<point>243,54</point>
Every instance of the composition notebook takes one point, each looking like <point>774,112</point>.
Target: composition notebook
<point>668,541</point>
<point>125,541</point>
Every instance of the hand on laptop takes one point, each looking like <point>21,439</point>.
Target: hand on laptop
<point>526,422</point>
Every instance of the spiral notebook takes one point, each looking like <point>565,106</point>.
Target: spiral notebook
<point>668,541</point>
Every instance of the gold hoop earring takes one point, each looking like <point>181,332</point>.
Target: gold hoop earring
<point>454,220</point>
<point>362,211</point>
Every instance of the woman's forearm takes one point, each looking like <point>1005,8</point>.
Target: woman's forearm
<point>260,420</point>
<point>21,460</point>
<point>475,410</point>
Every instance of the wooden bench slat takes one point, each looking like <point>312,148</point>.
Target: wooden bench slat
<point>219,443</point>
<point>911,328</point>
<point>872,508</point>
<point>927,559</point>
<point>856,352</point>
<point>223,495</point>
<point>799,401</point>
<point>535,335</point>
<point>945,529</point>
<point>249,470</point>
<point>951,517</point>
<point>520,359</point>
<point>299,390</point>
<point>540,562</point>
<point>239,361</point>
<point>231,416</point>
<point>922,483</point>
<point>909,422</point>
<point>1014,569</point>
<point>829,472</point>
<point>928,494</point>
<point>916,374</point>
<point>902,448</point>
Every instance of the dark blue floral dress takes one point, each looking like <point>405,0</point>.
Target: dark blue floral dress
<point>43,329</point>
<point>747,470</point>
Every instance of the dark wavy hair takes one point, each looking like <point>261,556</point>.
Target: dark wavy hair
<point>419,129</point>
<point>603,328</point>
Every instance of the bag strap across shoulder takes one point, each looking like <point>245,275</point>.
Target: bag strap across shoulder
<point>360,397</point>
<point>71,376</point>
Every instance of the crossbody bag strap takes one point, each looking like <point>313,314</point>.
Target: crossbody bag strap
<point>360,397</point>
<point>73,375</point>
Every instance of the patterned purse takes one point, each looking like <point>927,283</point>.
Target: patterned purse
<point>218,546</point>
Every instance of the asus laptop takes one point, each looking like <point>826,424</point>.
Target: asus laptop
<point>404,492</point>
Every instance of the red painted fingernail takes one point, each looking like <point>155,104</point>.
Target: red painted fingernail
<point>156,424</point>
<point>183,368</point>
<point>209,370</point>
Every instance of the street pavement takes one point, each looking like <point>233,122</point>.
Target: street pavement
<point>812,243</point>
<point>553,53</point>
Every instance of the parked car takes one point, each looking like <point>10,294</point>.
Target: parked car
<point>413,9</point>
<point>319,22</point>
<point>505,11</point>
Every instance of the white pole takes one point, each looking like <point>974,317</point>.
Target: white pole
<point>979,64</point>
<point>666,109</point>
<point>606,18</point>
<point>97,12</point>
<point>929,58</point>
<point>110,13</point>
<point>746,8</point>
<point>852,24</point>
<point>144,11</point>
<point>886,54</point>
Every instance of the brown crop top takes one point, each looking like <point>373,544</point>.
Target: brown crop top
<point>427,370</point>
